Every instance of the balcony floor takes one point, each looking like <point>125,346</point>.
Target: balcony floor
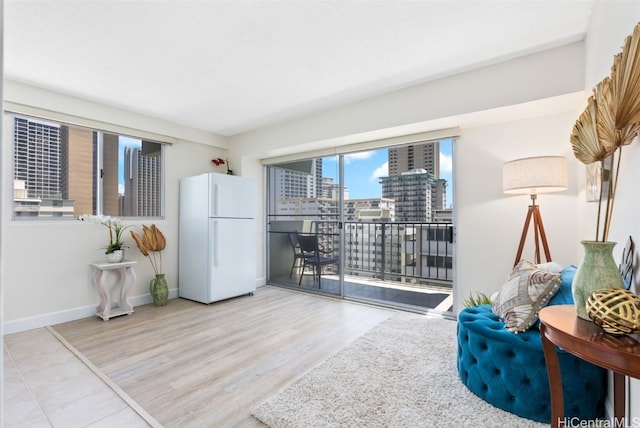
<point>388,293</point>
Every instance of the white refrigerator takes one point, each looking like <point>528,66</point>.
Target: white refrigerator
<point>217,242</point>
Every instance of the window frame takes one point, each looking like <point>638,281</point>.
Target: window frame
<point>97,169</point>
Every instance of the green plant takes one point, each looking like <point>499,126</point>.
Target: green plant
<point>477,300</point>
<point>116,228</point>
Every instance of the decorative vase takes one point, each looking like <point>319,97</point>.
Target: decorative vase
<point>159,290</point>
<point>598,270</point>
<point>116,256</point>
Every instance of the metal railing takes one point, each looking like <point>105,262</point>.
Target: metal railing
<point>412,253</point>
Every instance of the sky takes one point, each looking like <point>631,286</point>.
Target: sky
<point>124,142</point>
<point>363,169</point>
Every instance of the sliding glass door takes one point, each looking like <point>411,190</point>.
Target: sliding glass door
<point>382,222</point>
<point>303,225</point>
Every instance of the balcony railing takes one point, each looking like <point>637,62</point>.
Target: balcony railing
<point>413,253</point>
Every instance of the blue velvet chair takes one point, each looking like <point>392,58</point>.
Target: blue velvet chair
<point>508,370</point>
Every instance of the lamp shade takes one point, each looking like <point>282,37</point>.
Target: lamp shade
<point>544,174</point>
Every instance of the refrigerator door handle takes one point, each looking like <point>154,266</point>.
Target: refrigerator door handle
<point>214,242</point>
<point>215,197</point>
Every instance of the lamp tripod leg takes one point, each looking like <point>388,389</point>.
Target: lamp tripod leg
<point>537,221</point>
<point>523,237</point>
<point>540,237</point>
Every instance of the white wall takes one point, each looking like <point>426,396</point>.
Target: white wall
<point>610,24</point>
<point>46,273</point>
<point>478,96</point>
<point>489,223</point>
<point>45,265</point>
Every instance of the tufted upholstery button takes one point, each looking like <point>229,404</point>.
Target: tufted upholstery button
<point>509,370</point>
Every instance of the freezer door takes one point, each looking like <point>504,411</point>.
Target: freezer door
<point>232,258</point>
<point>232,196</point>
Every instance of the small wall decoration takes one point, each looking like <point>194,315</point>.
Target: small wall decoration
<point>595,181</point>
<point>626,265</point>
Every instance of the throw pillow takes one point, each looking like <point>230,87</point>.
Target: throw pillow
<point>564,296</point>
<point>527,290</point>
<point>551,267</point>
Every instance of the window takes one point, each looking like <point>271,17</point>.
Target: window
<point>62,171</point>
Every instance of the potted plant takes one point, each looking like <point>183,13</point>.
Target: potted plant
<point>220,161</point>
<point>610,122</point>
<point>151,245</point>
<point>115,248</point>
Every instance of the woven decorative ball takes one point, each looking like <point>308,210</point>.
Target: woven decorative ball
<point>617,311</point>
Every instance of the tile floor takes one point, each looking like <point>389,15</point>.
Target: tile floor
<point>46,385</point>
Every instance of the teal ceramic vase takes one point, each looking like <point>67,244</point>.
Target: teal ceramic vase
<point>159,290</point>
<point>598,270</point>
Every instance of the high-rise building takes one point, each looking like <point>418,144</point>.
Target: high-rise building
<point>417,156</point>
<point>141,184</point>
<point>36,157</point>
<point>369,210</point>
<point>331,190</point>
<point>38,170</point>
<point>109,173</point>
<point>425,157</point>
<point>77,178</point>
<point>412,192</point>
<point>287,183</point>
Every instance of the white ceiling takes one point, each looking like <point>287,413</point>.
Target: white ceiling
<point>232,66</point>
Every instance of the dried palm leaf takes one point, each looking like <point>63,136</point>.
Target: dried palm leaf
<point>139,243</point>
<point>159,238</point>
<point>584,137</point>
<point>625,76</point>
<point>149,239</point>
<point>627,134</point>
<point>151,245</point>
<point>605,116</point>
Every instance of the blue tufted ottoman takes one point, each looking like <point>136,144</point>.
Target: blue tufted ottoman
<point>508,370</point>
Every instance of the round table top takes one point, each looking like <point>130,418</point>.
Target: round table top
<point>620,353</point>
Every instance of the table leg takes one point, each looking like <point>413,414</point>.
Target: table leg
<point>555,379</point>
<point>619,398</point>
<point>128,280</point>
<point>103,309</point>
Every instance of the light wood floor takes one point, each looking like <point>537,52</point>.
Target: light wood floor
<point>190,364</point>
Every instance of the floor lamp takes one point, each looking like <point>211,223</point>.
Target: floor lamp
<point>532,176</point>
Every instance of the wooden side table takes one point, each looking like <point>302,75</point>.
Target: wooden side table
<point>560,326</point>
<point>126,278</point>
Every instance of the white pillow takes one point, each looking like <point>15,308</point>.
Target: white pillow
<point>551,267</point>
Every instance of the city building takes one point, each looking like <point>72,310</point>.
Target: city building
<point>416,156</point>
<point>331,190</point>
<point>38,170</point>
<point>412,192</point>
<point>369,209</point>
<point>141,183</point>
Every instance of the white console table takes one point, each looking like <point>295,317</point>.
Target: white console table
<point>126,278</point>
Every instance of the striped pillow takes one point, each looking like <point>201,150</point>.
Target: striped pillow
<point>527,290</point>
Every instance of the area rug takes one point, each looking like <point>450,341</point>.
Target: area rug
<point>402,373</point>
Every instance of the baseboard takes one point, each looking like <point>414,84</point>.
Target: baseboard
<point>67,315</point>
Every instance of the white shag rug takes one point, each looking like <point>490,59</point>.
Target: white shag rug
<point>402,373</point>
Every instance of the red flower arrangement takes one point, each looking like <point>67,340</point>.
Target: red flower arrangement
<point>220,161</point>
